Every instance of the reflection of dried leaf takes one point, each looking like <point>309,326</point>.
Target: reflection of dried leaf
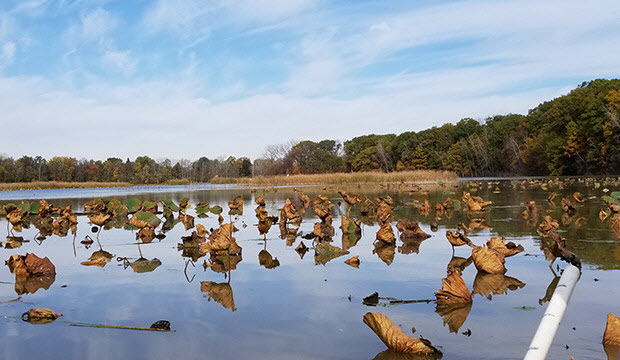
<point>488,260</point>
<point>548,225</point>
<point>265,259</point>
<point>393,355</point>
<point>325,252</point>
<point>30,284</point>
<point>453,290</point>
<point>497,284</point>
<point>187,220</point>
<point>410,245</point>
<point>323,230</point>
<point>394,338</point>
<point>612,331</point>
<point>143,265</point>
<point>385,252</point>
<point>301,249</point>
<point>40,316</point>
<point>222,293</point>
<point>454,315</point>
<point>98,258</point>
<point>349,225</point>
<point>459,264</point>
<point>354,261</point>
<point>507,249</point>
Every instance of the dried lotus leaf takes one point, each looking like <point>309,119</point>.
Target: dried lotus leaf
<point>386,234</point>
<point>507,249</point>
<point>488,260</point>
<point>394,338</point>
<point>40,316</point>
<point>453,290</point>
<point>612,331</point>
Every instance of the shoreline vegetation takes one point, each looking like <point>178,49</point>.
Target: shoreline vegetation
<point>277,180</point>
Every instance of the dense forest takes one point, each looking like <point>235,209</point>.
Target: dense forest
<point>575,134</point>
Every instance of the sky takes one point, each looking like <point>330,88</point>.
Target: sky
<point>190,78</point>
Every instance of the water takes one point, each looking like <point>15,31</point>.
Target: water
<point>306,311</point>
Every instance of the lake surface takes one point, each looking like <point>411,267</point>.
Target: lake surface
<point>304,310</point>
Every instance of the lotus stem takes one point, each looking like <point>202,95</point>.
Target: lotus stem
<point>116,327</point>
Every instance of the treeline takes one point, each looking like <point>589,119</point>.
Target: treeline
<point>575,134</point>
<point>143,170</point>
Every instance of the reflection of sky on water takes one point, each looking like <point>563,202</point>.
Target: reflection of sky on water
<point>291,311</point>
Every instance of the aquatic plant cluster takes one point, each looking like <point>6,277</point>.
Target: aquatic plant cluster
<point>151,220</point>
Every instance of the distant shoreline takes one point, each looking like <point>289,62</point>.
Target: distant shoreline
<point>279,180</point>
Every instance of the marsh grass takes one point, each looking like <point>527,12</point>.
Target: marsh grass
<point>342,178</point>
<point>39,185</point>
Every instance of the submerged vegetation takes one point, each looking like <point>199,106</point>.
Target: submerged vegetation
<point>575,134</point>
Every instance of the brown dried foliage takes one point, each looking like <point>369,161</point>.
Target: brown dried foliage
<point>453,290</point>
<point>394,338</point>
<point>507,249</point>
<point>488,260</point>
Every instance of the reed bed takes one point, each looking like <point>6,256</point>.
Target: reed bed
<point>342,178</point>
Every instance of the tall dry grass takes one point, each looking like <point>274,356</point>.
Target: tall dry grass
<point>342,178</point>
<point>39,185</point>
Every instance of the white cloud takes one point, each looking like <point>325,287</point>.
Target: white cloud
<point>97,23</point>
<point>7,54</point>
<point>195,19</point>
<point>120,61</point>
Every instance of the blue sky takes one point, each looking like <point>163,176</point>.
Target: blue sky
<point>191,78</point>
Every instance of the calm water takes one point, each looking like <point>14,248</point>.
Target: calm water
<point>303,310</point>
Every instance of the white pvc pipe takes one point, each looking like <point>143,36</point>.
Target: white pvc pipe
<point>553,314</point>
